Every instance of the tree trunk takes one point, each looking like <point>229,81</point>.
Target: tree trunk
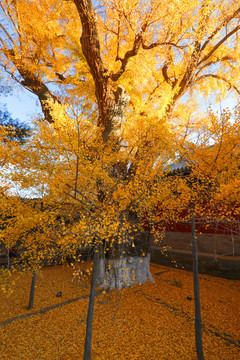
<point>31,297</point>
<point>124,272</point>
<point>125,264</point>
<point>88,339</point>
<point>198,322</point>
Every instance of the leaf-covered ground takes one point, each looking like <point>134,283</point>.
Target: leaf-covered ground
<point>153,321</point>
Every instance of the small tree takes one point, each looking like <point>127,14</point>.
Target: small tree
<point>213,184</point>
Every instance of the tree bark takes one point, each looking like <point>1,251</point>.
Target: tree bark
<point>111,104</point>
<point>44,95</point>
<point>198,322</point>
<point>124,272</point>
<point>122,265</point>
<point>35,84</point>
<point>88,338</point>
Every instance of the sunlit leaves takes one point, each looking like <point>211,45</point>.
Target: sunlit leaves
<point>98,190</point>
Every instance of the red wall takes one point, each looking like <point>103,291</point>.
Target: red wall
<point>213,222</point>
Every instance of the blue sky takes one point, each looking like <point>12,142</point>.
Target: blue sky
<point>22,104</point>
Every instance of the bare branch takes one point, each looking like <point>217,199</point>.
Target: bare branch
<point>4,44</point>
<point>80,201</point>
<point>219,78</point>
<point>8,13</point>
<point>219,44</point>
<point>225,22</point>
<point>224,58</point>
<point>7,33</point>
<point>159,43</point>
<point>80,193</point>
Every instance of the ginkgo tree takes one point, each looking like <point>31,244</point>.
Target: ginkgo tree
<point>116,81</point>
<point>127,65</point>
<point>115,58</point>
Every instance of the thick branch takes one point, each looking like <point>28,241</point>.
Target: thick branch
<point>166,78</point>
<point>189,76</point>
<point>111,103</point>
<point>91,51</point>
<point>138,42</point>
<point>35,84</point>
<point>44,95</point>
<point>133,52</point>
<point>91,45</point>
